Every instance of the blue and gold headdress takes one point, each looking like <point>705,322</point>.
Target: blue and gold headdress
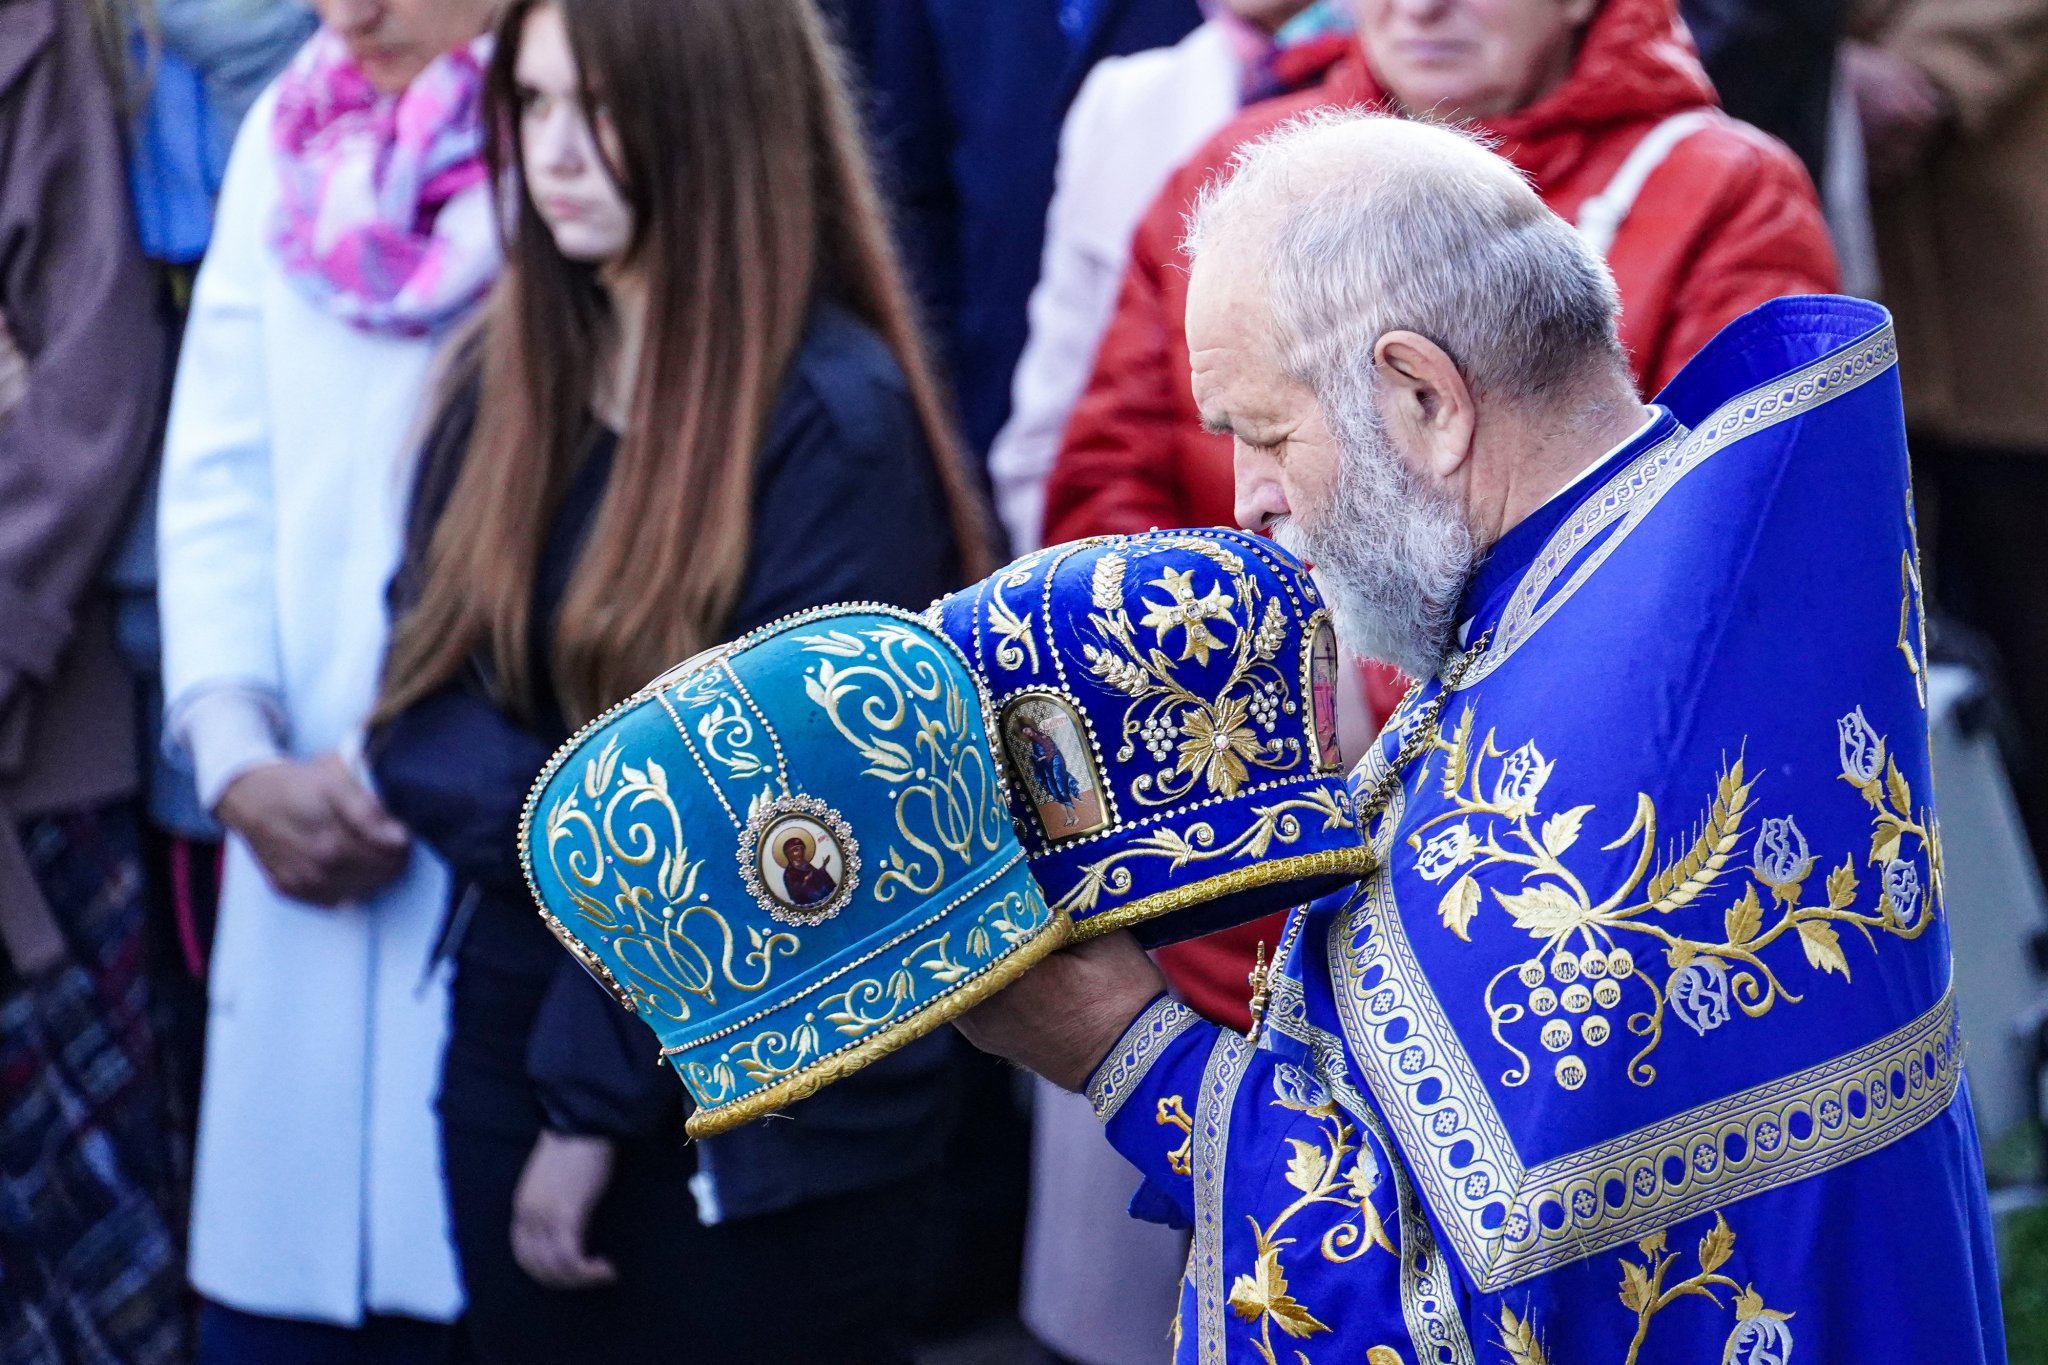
<point>790,856</point>
<point>1168,707</point>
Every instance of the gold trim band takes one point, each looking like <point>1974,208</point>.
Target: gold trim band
<point>943,1009</point>
<point>1358,862</point>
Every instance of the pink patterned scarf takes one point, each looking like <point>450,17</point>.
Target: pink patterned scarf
<point>385,214</point>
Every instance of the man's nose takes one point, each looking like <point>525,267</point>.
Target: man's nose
<point>1260,499</point>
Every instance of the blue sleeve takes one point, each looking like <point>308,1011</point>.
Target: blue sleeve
<point>1145,1092</point>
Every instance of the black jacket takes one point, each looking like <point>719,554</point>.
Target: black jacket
<point>1773,62</point>
<point>857,514</point>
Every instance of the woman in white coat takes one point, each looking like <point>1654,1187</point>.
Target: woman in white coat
<point>353,231</point>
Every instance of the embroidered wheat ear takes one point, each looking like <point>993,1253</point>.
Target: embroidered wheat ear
<point>1518,1338</point>
<point>1682,882</point>
<point>1108,584</point>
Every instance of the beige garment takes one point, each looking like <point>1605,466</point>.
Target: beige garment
<point>75,442</point>
<point>1100,1287</point>
<point>1963,246</point>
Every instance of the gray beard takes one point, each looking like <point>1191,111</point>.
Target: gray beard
<point>1392,555</point>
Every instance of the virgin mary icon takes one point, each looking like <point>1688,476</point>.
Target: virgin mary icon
<point>803,861</point>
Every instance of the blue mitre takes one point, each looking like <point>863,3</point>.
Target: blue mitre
<point>790,856</point>
<point>1167,704</point>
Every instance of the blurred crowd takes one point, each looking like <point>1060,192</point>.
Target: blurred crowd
<point>388,387</point>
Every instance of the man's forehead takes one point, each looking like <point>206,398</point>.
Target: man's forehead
<point>1227,303</point>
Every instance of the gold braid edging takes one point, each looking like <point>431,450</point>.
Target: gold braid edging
<point>943,1009</point>
<point>1356,862</point>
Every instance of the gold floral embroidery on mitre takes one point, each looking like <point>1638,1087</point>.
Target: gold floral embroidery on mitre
<point>1208,739</point>
<point>1593,953</point>
<point>623,815</point>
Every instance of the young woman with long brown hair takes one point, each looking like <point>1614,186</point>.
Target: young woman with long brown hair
<point>696,402</point>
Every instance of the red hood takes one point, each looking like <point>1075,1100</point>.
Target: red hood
<point>1636,64</point>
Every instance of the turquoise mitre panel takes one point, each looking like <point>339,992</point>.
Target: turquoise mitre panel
<point>1167,705</point>
<point>790,856</point>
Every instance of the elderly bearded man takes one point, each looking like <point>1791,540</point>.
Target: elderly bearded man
<point>1641,1045</point>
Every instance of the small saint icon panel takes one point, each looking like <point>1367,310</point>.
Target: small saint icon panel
<point>800,860</point>
<point>1053,759</point>
<point>1322,695</point>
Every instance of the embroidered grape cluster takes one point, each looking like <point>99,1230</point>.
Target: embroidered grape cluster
<point>1158,732</point>
<point>1265,706</point>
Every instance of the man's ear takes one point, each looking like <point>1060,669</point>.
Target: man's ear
<point>1430,406</point>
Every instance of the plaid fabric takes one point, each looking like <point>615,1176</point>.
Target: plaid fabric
<point>90,1269</point>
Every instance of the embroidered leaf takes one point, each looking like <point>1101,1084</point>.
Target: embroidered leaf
<point>1544,911</point>
<point>1895,784</point>
<point>1681,952</point>
<point>1459,905</point>
<point>887,759</point>
<point>1307,1167</point>
<point>1884,844</point>
<point>1717,1246</point>
<point>1749,1304</point>
<point>597,774</point>
<point>1635,1287</point>
<point>1561,831</point>
<point>1652,1245</point>
<point>1517,1338</point>
<point>1745,918</point>
<point>1264,1294</point>
<point>1380,1355</point>
<point>1842,886</point>
<point>671,874</point>
<point>835,642</point>
<point>1823,946</point>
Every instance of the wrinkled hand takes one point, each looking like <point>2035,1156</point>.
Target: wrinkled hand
<point>558,1191</point>
<point>1900,108</point>
<point>1061,1018</point>
<point>320,835</point>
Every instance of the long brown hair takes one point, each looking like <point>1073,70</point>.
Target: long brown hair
<point>740,155</point>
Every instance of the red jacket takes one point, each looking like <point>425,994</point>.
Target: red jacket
<point>1727,221</point>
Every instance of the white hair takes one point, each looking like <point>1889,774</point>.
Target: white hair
<point>1364,224</point>
<point>1369,223</point>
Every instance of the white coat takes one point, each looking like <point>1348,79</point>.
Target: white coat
<point>318,1191</point>
<point>1134,122</point>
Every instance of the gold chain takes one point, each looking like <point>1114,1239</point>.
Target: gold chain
<point>1422,737</point>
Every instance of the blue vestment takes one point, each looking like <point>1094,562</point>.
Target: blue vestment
<point>1641,1045</point>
